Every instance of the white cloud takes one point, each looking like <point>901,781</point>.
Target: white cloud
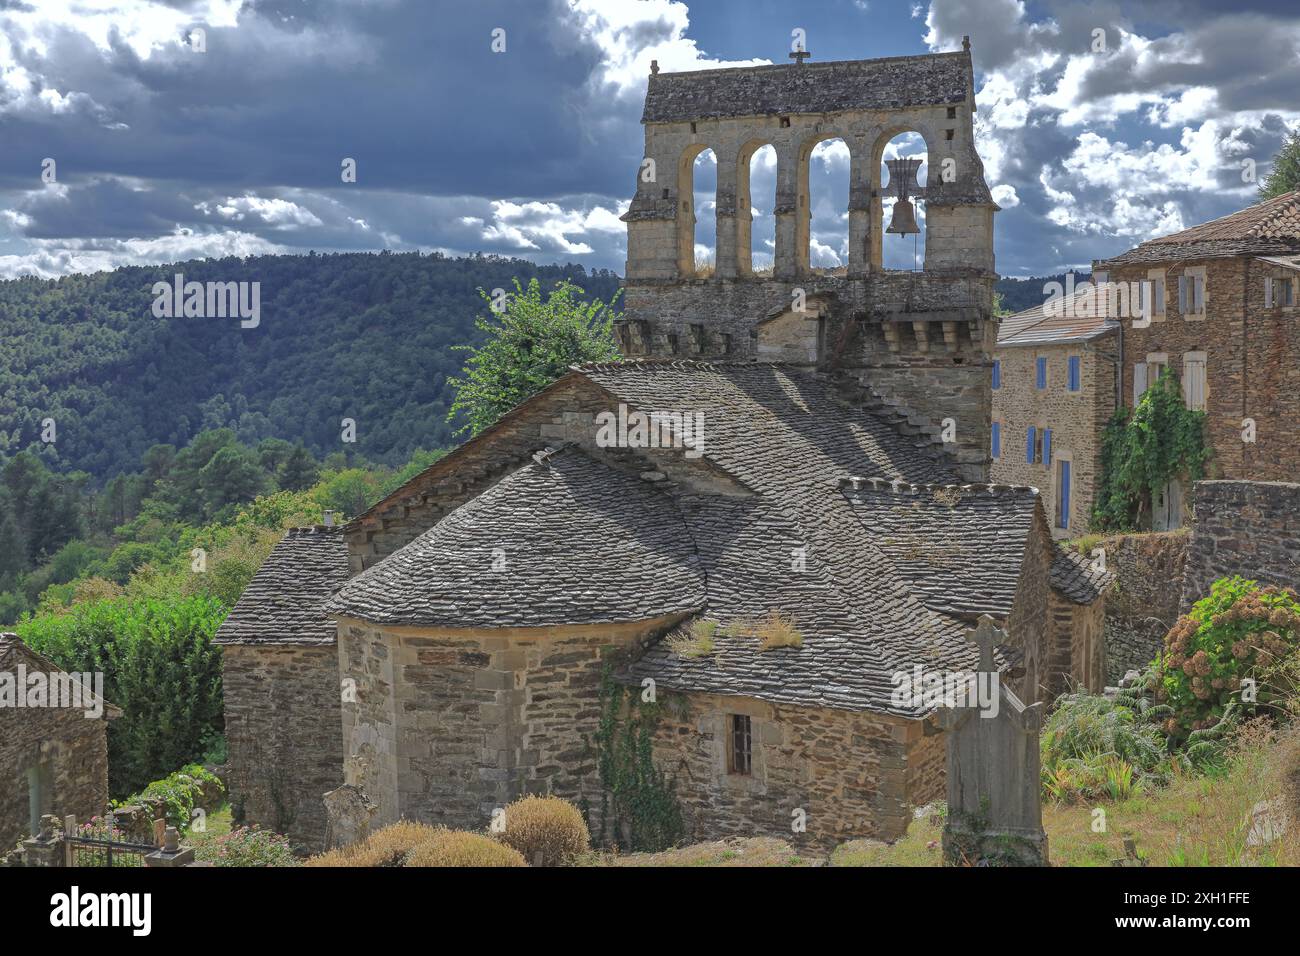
<point>55,257</point>
<point>276,213</point>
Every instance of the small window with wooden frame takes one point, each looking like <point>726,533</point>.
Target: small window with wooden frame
<point>740,746</point>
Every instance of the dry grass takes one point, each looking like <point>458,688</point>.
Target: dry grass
<point>773,630</point>
<point>386,847</point>
<point>705,268</point>
<point>458,848</point>
<point>697,642</point>
<point>734,851</point>
<point>776,630</point>
<point>547,831</point>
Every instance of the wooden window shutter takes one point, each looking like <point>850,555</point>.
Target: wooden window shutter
<point>1139,380</point>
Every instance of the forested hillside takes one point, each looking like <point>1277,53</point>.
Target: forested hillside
<point>1020,294</point>
<point>354,335</point>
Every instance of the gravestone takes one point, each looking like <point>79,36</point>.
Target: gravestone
<point>348,813</point>
<point>995,814</point>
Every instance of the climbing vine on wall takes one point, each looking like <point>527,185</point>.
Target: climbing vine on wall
<point>639,809</point>
<point>1161,441</point>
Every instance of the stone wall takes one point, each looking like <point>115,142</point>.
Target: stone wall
<point>284,734</point>
<point>1075,418</point>
<point>68,751</point>
<point>1243,527</point>
<point>853,774</point>
<point>1028,625</point>
<point>1079,644</point>
<point>449,725</point>
<point>1142,605</point>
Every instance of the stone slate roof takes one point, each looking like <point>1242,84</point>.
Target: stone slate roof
<point>899,82</point>
<point>14,651</point>
<point>282,604</point>
<point>587,541</point>
<point>1079,318</point>
<point>1268,227</point>
<point>960,547</point>
<point>1076,576</point>
<point>563,540</point>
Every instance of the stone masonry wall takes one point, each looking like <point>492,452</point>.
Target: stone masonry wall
<point>284,733</point>
<point>1142,605</point>
<point>853,774</point>
<point>1243,527</point>
<point>449,725</point>
<point>1251,369</point>
<point>1028,624</point>
<point>72,751</point>
<point>1075,418</point>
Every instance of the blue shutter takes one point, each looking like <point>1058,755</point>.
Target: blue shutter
<point>1029,444</point>
<point>1047,446</point>
<point>997,440</point>
<point>1063,497</point>
<point>1074,373</point>
<point>997,373</point>
<point>1041,379</point>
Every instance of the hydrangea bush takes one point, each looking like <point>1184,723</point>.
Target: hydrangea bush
<point>1239,631</point>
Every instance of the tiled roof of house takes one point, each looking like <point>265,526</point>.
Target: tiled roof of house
<point>931,79</point>
<point>14,651</point>
<point>1077,318</point>
<point>282,604</point>
<point>1078,577</point>
<point>563,540</point>
<point>960,547</point>
<point>587,542</point>
<point>1268,227</point>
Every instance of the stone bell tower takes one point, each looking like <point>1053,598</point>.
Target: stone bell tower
<point>921,339</point>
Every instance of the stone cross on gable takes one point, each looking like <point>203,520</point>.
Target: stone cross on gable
<point>986,636</point>
<point>799,56</point>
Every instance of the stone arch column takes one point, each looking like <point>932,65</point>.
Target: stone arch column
<point>787,209</point>
<point>862,205</point>
<point>726,240</point>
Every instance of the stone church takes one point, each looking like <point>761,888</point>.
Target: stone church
<point>816,454</point>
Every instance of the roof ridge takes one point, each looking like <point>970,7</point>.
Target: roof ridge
<point>684,364</point>
<point>900,487</point>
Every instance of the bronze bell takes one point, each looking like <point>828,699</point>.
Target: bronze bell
<point>903,221</point>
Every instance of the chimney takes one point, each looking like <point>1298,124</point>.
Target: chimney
<point>329,519</point>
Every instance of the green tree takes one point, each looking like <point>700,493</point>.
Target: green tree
<point>1285,174</point>
<point>232,476</point>
<point>350,491</point>
<point>529,344</point>
<point>299,471</point>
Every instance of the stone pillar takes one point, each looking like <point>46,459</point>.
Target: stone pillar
<point>787,210</point>
<point>726,266</point>
<point>861,224</point>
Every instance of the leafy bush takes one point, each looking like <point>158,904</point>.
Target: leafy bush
<point>548,831</point>
<point>1239,631</point>
<point>159,667</point>
<point>386,847</point>
<point>247,846</point>
<point>1140,454</point>
<point>180,794</point>
<point>458,848</point>
<point>1093,746</point>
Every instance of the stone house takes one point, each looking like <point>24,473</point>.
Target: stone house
<point>1055,386</point>
<point>280,675</point>
<point>1225,296</point>
<point>54,755</point>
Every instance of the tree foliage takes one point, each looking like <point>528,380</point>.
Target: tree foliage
<point>159,667</point>
<point>527,346</point>
<point>1284,176</point>
<point>356,335</point>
